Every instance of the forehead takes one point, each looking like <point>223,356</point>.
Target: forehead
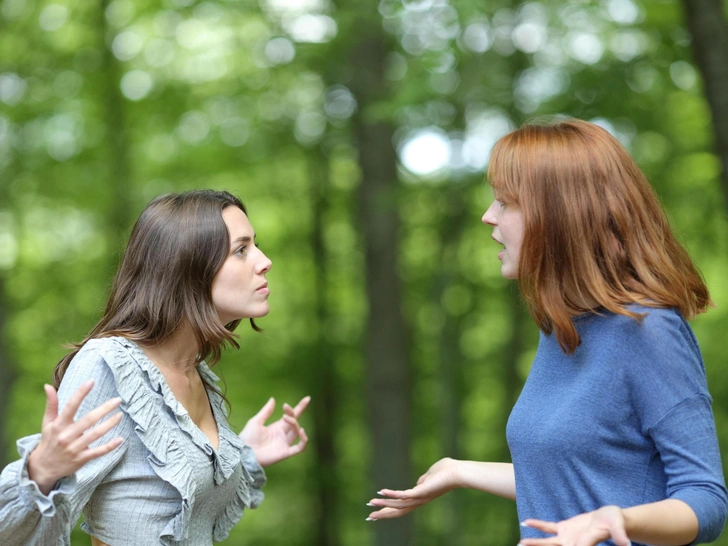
<point>237,223</point>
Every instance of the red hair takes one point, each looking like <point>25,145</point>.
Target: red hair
<point>595,235</point>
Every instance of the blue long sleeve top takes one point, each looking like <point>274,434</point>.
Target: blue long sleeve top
<point>624,420</point>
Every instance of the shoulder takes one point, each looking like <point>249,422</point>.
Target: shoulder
<point>97,359</point>
<point>651,325</point>
<point>113,363</point>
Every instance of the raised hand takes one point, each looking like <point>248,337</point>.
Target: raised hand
<point>438,480</point>
<point>63,446</point>
<point>277,441</point>
<point>583,530</point>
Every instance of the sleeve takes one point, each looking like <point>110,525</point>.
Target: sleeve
<point>31,518</point>
<point>250,463</point>
<point>675,407</point>
<point>687,442</point>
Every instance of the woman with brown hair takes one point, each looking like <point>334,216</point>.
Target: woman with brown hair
<point>613,436</point>
<point>166,468</point>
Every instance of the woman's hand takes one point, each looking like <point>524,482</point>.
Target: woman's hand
<point>438,480</point>
<point>276,442</point>
<point>586,529</point>
<point>63,446</point>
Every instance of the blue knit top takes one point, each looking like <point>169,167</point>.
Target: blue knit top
<point>625,420</point>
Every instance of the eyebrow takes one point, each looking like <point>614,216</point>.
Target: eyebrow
<point>245,239</point>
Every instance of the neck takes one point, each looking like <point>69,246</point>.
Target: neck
<point>177,353</point>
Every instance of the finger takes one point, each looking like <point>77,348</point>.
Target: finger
<point>95,415</point>
<point>101,450</point>
<point>293,425</point>
<point>545,526</point>
<point>396,503</point>
<point>69,411</point>
<point>388,513</point>
<point>51,409</point>
<point>93,434</point>
<point>396,494</point>
<point>301,406</point>
<point>301,445</point>
<point>265,412</point>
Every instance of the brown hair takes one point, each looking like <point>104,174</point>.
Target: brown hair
<point>595,236</point>
<point>176,248</point>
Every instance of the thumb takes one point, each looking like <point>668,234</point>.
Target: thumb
<point>51,409</point>
<point>265,412</point>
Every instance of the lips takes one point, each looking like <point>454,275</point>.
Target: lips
<point>263,286</point>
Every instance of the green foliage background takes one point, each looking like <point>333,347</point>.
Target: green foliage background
<point>104,105</point>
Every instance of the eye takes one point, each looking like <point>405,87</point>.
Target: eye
<point>241,251</point>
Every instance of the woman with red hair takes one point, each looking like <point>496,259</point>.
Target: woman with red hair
<point>613,436</point>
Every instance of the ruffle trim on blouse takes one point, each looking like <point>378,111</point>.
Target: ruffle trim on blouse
<point>168,460</point>
<point>29,490</point>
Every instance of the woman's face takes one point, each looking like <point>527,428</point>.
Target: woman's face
<point>507,222</point>
<point>239,289</point>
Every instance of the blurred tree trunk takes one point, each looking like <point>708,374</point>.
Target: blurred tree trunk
<point>707,24</point>
<point>323,383</point>
<point>451,381</point>
<point>117,144</point>
<point>387,341</point>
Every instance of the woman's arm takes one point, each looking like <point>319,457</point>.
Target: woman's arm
<point>670,522</point>
<point>444,476</point>
<point>30,514</point>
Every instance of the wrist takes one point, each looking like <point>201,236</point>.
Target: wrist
<point>457,473</point>
<point>37,474</point>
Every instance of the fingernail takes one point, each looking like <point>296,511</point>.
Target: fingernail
<point>369,504</point>
<point>370,519</point>
<point>88,383</point>
<point>380,493</point>
<point>523,524</point>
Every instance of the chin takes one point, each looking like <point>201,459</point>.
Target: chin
<point>258,313</point>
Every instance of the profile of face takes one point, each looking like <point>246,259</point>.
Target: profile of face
<point>240,289</point>
<point>507,222</point>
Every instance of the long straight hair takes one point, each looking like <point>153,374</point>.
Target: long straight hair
<point>176,248</point>
<point>595,236</point>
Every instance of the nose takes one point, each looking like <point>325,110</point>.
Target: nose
<point>489,217</point>
<point>264,264</point>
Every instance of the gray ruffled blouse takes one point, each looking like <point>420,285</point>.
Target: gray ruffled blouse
<point>165,484</point>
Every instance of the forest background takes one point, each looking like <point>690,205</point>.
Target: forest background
<point>358,133</point>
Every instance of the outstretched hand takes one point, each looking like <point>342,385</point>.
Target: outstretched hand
<point>63,446</point>
<point>438,480</point>
<point>277,441</point>
<point>586,529</point>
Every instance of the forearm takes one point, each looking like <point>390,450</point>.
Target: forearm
<point>494,478</point>
<point>670,522</point>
